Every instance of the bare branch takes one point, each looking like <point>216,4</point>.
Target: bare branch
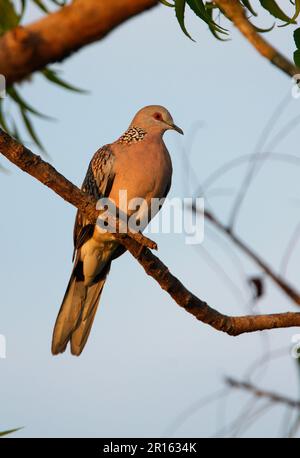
<point>274,397</point>
<point>232,325</point>
<point>24,50</point>
<point>289,290</point>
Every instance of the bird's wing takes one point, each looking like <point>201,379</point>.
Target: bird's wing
<point>97,183</point>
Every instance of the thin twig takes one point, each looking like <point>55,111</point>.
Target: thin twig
<point>259,393</point>
<point>291,292</point>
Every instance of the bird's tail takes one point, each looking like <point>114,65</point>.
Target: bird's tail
<point>77,313</point>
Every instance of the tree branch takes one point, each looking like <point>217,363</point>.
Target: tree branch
<point>24,50</point>
<point>274,397</point>
<point>232,325</point>
<point>236,13</point>
<point>48,175</point>
<point>289,290</point>
<point>29,48</point>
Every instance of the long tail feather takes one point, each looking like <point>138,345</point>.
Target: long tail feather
<point>81,333</point>
<point>76,314</point>
<point>68,315</point>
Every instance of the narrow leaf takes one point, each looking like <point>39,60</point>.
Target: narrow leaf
<point>297,37</point>
<point>297,58</point>
<point>20,101</point>
<point>213,29</point>
<point>248,5</point>
<point>180,10</point>
<point>23,7</point>
<point>30,129</point>
<point>272,7</point>
<point>8,17</point>
<point>260,30</point>
<point>204,12</point>
<point>52,76</point>
<point>9,431</point>
<point>297,10</point>
<point>59,2</point>
<point>41,5</point>
<point>164,2</point>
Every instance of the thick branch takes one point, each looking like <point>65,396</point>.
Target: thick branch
<point>51,39</point>
<point>274,397</point>
<point>234,326</point>
<point>236,13</point>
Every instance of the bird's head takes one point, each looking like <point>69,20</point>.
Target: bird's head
<point>156,119</point>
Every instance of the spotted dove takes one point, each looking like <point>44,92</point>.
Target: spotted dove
<point>139,163</point>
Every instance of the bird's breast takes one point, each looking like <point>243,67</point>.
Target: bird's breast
<point>143,170</point>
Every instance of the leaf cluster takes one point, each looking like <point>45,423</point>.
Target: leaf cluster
<point>210,13</point>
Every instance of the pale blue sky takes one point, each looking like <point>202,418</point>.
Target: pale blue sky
<point>146,360</point>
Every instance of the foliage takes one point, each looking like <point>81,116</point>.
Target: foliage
<point>12,13</point>
<point>9,431</point>
<point>297,43</point>
<point>208,12</point>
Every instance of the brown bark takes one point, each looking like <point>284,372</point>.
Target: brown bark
<point>232,325</point>
<point>51,39</point>
<point>27,49</point>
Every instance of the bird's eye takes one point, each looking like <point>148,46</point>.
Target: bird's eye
<point>157,116</point>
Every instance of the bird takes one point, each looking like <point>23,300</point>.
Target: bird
<point>139,163</point>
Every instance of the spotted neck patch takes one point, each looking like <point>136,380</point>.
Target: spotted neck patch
<point>132,135</point>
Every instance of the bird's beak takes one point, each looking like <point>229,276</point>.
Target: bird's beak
<point>174,127</point>
<point>180,131</point>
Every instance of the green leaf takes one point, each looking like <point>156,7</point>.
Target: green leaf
<point>30,129</point>
<point>15,132</point>
<point>272,7</point>
<point>8,17</point>
<point>248,5</point>
<point>258,29</point>
<point>12,92</point>
<point>52,76</point>
<point>204,12</point>
<point>199,9</point>
<point>213,30</point>
<point>164,2</point>
<point>297,37</point>
<point>9,431</point>
<point>297,10</point>
<point>59,2</point>
<point>180,10</point>
<point>44,8</point>
<point>41,5</point>
<point>297,58</point>
<point>23,7</point>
